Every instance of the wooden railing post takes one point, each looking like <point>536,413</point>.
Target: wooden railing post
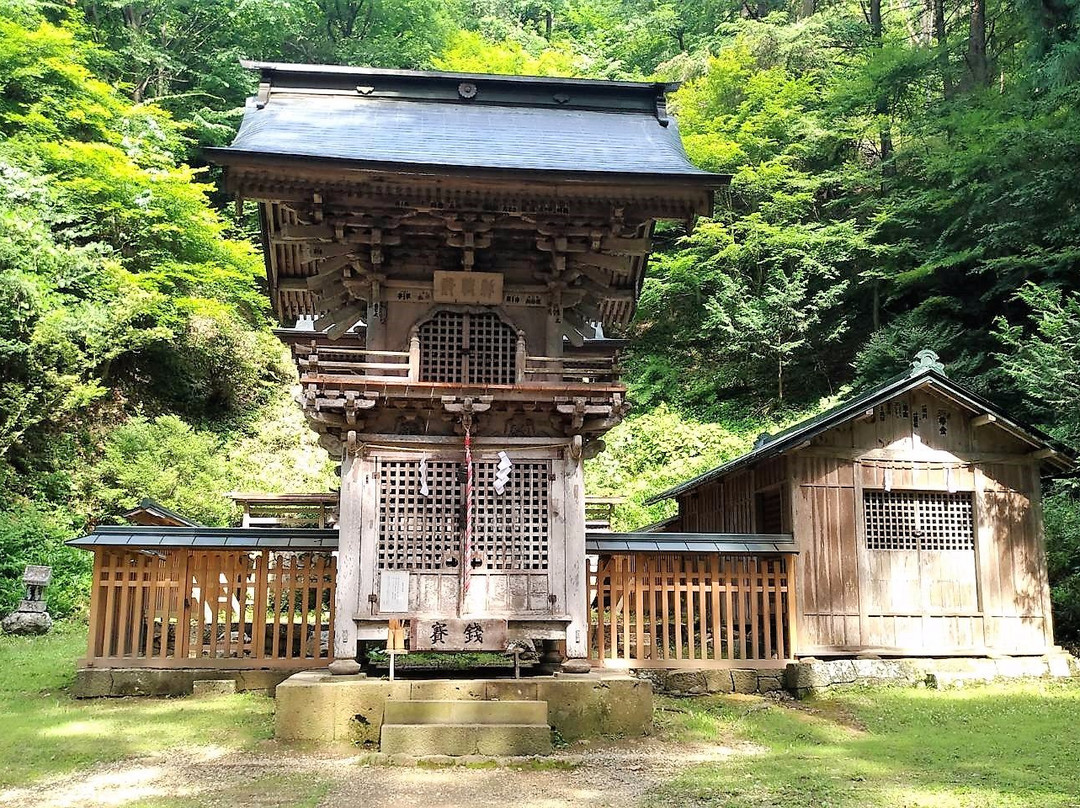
<point>414,358</point>
<point>521,358</point>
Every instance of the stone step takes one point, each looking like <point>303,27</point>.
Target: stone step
<point>466,739</point>
<point>465,712</point>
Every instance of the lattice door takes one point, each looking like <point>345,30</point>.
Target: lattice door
<point>418,532</point>
<point>920,552</point>
<point>423,535</point>
<point>511,529</point>
<point>467,348</point>
<point>492,350</point>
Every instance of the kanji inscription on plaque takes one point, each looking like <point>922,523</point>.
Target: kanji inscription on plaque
<point>457,634</point>
<point>483,288</point>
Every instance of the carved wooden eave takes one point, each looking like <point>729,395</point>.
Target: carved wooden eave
<point>335,405</point>
<point>332,239</point>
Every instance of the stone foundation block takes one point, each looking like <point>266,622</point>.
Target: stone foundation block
<point>99,682</point>
<point>213,687</point>
<point>719,681</point>
<point>422,740</point>
<point>315,706</point>
<point>686,682</point>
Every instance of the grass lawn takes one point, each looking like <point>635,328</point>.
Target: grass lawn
<point>999,746</point>
<point>984,747</point>
<point>48,733</point>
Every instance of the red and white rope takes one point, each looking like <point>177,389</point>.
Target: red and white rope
<point>466,549</point>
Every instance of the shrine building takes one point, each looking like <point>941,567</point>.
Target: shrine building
<point>449,257</point>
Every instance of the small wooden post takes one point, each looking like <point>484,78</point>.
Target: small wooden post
<point>414,358</point>
<point>792,610</point>
<point>395,644</point>
<point>521,358</point>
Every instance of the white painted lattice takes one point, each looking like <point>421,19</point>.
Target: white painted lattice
<point>469,348</point>
<point>918,520</point>
<point>510,530</point>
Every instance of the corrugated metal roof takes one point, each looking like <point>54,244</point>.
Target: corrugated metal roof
<point>922,373</point>
<point>600,542</point>
<point>446,134</point>
<point>281,538</point>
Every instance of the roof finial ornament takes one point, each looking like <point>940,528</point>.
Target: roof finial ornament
<point>927,360</point>
<point>762,439</point>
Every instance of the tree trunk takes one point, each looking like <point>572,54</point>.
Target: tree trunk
<point>942,48</point>
<point>977,62</point>
<point>881,105</point>
<point>807,8</point>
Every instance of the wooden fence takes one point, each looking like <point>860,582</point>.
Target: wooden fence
<point>702,610</point>
<point>211,608</point>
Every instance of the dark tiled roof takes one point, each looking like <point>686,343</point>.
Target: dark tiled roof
<point>925,371</point>
<point>420,119</point>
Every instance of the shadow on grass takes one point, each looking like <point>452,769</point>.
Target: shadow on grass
<point>1007,745</point>
<point>46,732</point>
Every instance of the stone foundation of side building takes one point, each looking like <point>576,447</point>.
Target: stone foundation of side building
<point>810,676</point>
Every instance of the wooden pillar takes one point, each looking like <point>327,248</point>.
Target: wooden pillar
<point>577,632</point>
<point>347,596</point>
<point>1039,536</point>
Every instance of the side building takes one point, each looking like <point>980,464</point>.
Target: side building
<point>915,513</point>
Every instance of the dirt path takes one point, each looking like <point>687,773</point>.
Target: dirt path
<point>613,775</point>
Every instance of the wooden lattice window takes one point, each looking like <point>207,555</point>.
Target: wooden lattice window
<point>467,348</point>
<point>919,520</point>
<point>442,342</point>
<point>511,529</point>
<point>419,532</point>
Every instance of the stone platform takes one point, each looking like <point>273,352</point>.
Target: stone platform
<point>316,706</point>
<point>91,683</point>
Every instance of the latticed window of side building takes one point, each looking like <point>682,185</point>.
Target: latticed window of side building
<point>919,520</point>
<point>417,532</point>
<point>467,348</point>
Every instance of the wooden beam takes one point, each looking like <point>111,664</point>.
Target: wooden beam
<point>348,321</point>
<point>615,263</point>
<point>339,315</point>
<point>983,420</point>
<point>1042,454</point>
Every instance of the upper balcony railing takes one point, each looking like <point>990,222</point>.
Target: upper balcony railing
<point>316,357</point>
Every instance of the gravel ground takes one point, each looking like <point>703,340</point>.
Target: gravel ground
<point>610,775</point>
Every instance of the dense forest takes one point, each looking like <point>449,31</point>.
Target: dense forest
<point>905,175</point>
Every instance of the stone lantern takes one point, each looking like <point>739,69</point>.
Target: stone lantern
<point>31,617</point>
